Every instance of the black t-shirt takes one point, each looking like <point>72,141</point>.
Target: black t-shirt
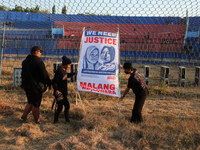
<point>136,83</point>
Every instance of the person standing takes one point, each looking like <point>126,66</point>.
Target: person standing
<point>34,80</point>
<point>59,83</point>
<point>137,84</point>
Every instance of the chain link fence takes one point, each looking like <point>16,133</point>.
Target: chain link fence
<point>152,32</point>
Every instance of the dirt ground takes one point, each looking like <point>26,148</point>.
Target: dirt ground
<point>171,121</point>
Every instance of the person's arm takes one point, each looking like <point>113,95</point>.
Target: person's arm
<point>44,74</point>
<point>125,92</point>
<point>130,84</point>
<point>55,81</point>
<point>55,84</point>
<point>69,75</point>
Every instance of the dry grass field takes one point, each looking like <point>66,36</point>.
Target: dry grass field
<point>171,119</point>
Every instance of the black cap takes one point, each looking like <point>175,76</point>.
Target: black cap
<point>66,61</point>
<point>35,48</point>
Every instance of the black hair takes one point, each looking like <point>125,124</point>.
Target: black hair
<point>35,48</point>
<point>127,65</point>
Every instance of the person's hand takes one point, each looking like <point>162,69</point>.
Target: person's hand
<point>65,77</point>
<point>57,92</point>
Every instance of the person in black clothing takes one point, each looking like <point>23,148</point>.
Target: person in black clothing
<point>34,75</point>
<point>60,88</point>
<point>137,84</point>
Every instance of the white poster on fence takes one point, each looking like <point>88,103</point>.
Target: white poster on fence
<point>99,63</point>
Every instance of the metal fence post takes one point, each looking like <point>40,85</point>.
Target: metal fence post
<point>2,49</point>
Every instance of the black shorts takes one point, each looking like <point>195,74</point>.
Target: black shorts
<point>34,96</point>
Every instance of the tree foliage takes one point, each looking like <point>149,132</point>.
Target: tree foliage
<point>45,11</point>
<point>93,14</point>
<point>53,9</point>
<point>27,9</point>
<point>64,10</point>
<point>18,8</point>
<point>36,9</point>
<point>21,9</point>
<point>4,8</point>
